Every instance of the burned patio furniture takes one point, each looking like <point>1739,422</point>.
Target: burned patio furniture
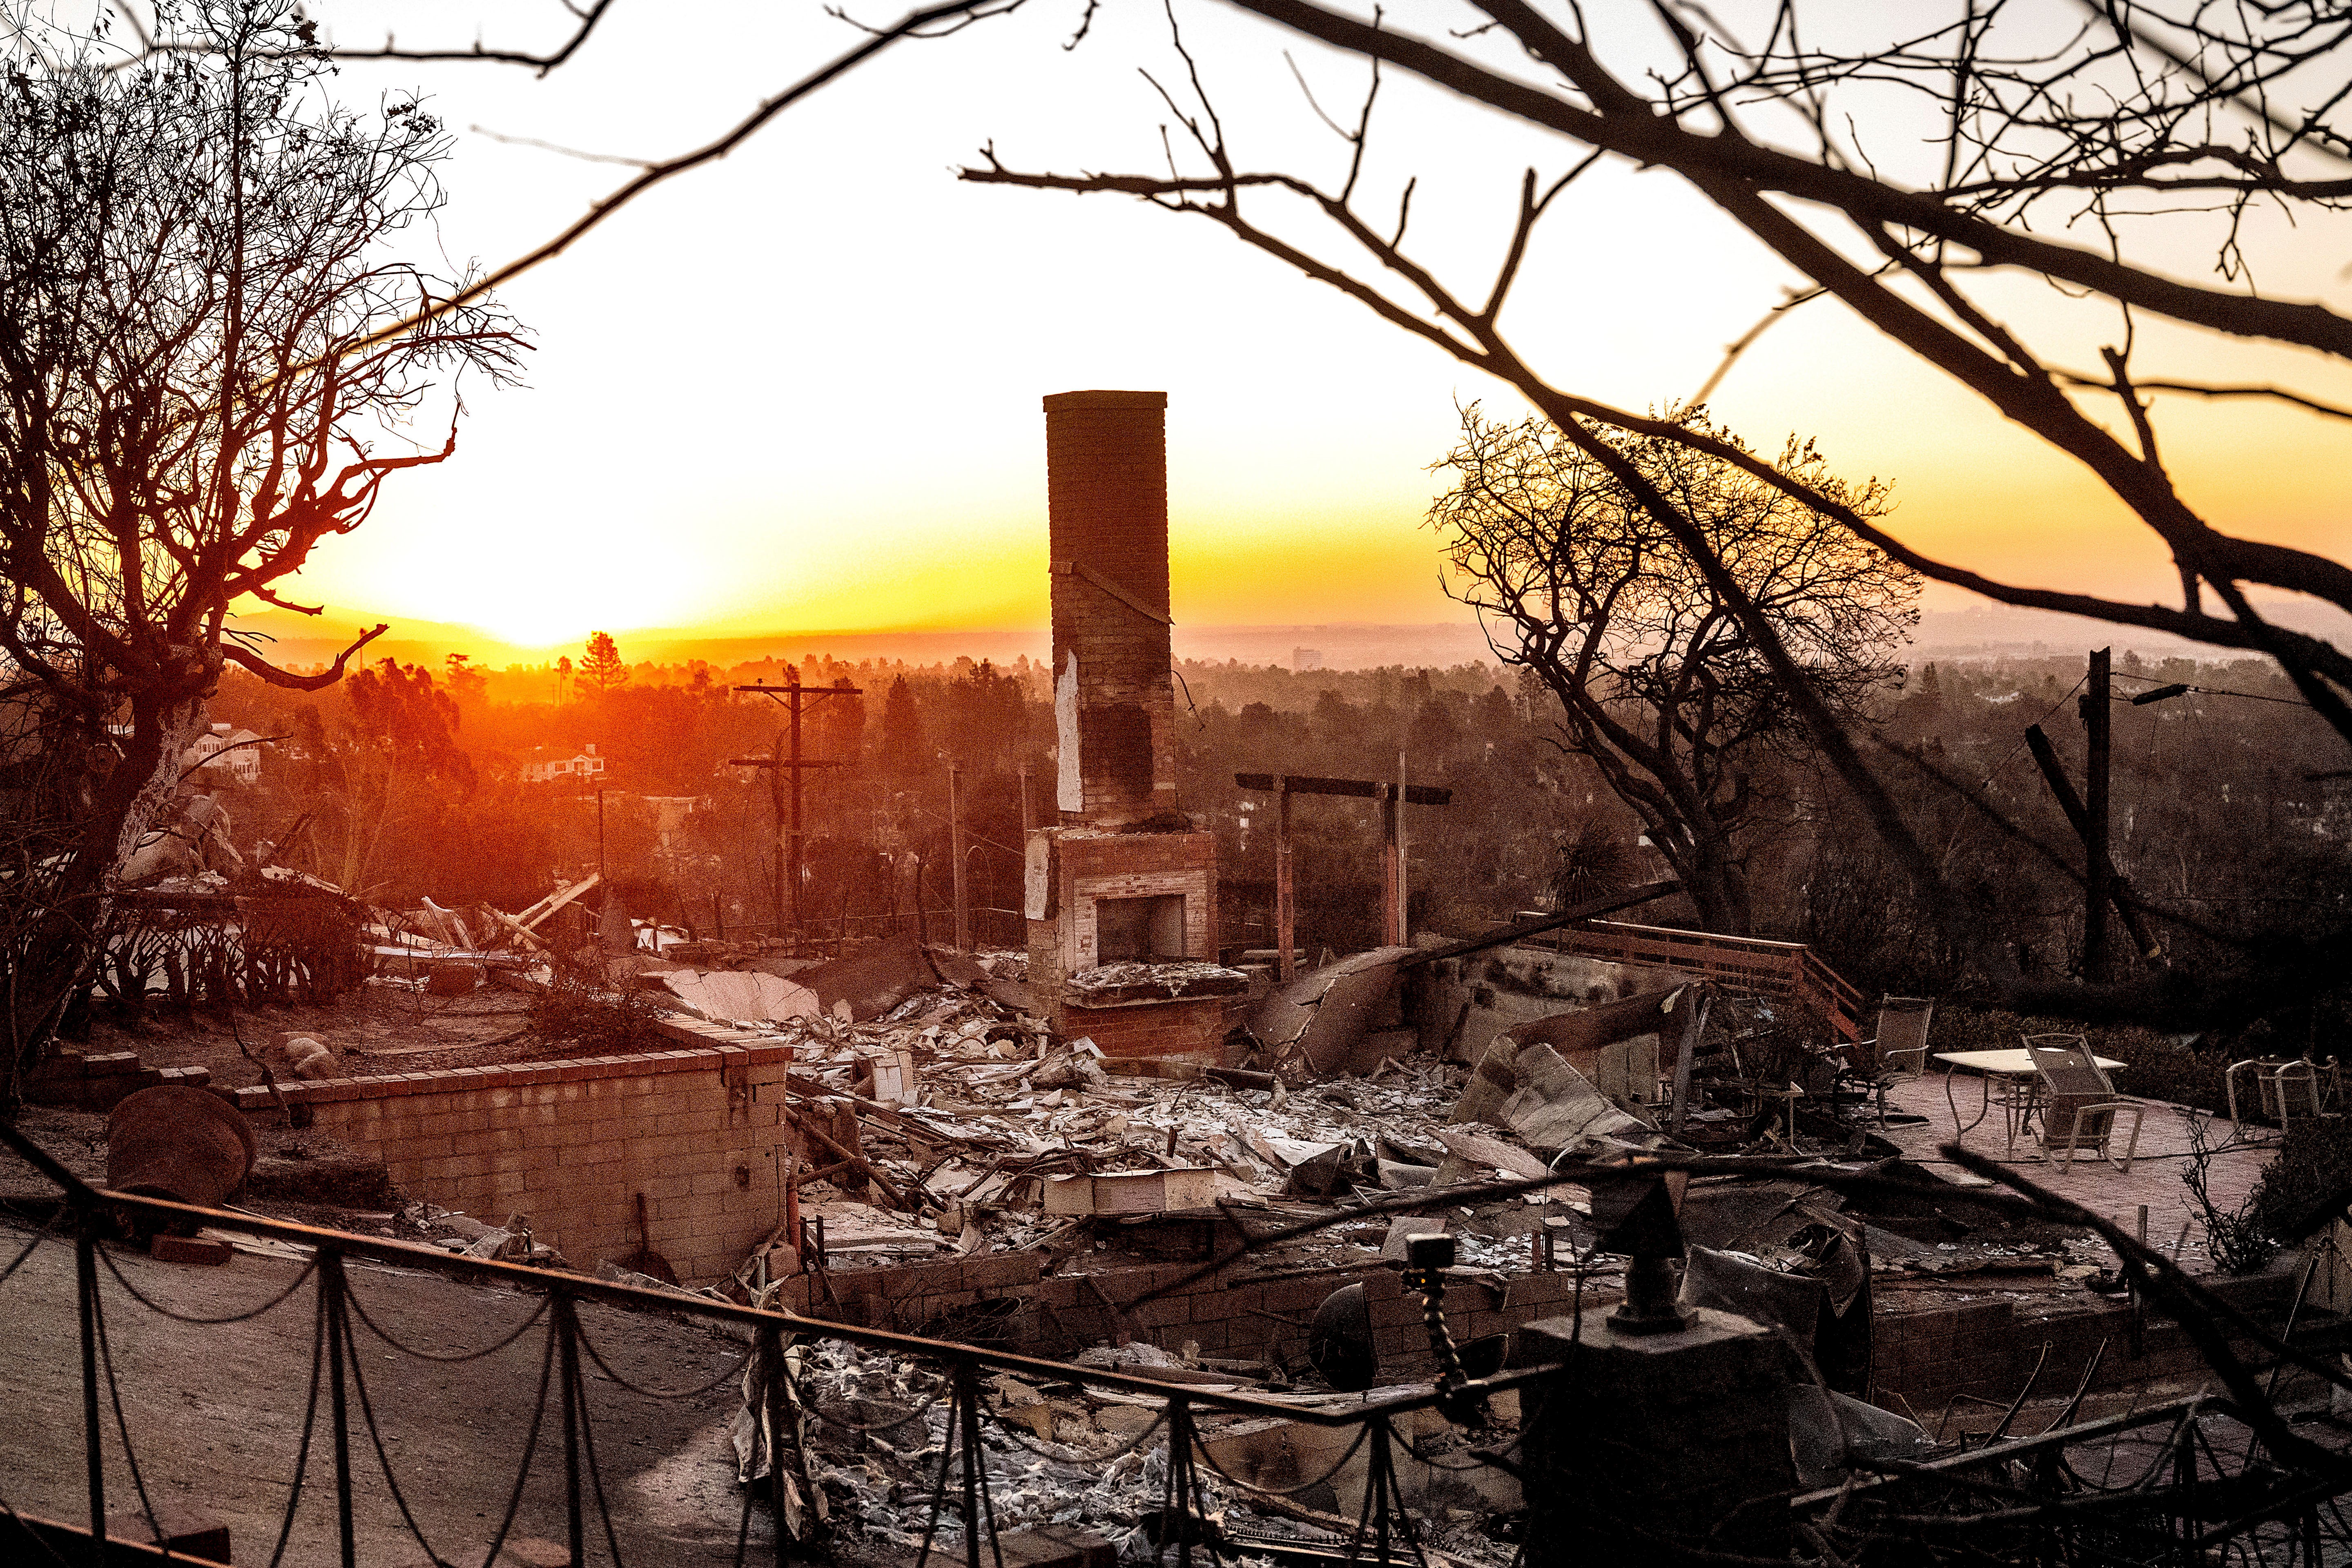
<point>1900,1045</point>
<point>2079,1106</point>
<point>2000,1074</point>
<point>2288,1085</point>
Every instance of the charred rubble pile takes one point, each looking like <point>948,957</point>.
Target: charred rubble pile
<point>969,1174</point>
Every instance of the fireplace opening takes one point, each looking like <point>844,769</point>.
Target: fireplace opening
<point>1139,931</point>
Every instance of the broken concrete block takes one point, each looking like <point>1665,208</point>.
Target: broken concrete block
<point>892,1073</point>
<point>1131,1192</point>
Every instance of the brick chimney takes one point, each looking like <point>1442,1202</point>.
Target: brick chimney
<point>1106,489</point>
<point>1124,880</point>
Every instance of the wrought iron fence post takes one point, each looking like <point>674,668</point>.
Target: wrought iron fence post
<point>93,1453</point>
<point>966,1427</point>
<point>567,1339</point>
<point>1182,1511</point>
<point>330,1293</point>
<point>1383,1506</point>
<point>769,1355</point>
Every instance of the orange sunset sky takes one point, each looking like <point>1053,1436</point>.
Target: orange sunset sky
<point>799,389</point>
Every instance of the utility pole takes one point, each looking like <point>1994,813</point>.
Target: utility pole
<point>1285,892</point>
<point>1395,849</point>
<point>2099,869</point>
<point>792,844</point>
<point>1026,823</point>
<point>955,847</point>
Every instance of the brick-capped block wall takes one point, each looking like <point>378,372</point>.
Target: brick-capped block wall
<point>1004,1298</point>
<point>570,1143</point>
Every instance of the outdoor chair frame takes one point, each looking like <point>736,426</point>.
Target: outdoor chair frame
<point>2276,1081</point>
<point>2073,1087</point>
<point>1898,1036</point>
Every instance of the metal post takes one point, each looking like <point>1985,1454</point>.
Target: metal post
<point>955,847</point>
<point>1405,913</point>
<point>93,1456</point>
<point>330,1291</point>
<point>798,859</point>
<point>2096,715</point>
<point>1286,900</point>
<point>1392,860</point>
<point>1026,823</point>
<point>567,1339</point>
<point>771,1355</point>
<point>967,1382</point>
<point>599,831</point>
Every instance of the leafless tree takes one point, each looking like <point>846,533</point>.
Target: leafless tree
<point>2058,154</point>
<point>1654,678</point>
<point>195,261</point>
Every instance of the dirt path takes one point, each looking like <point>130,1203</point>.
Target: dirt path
<point>216,1413</point>
<point>371,1029</point>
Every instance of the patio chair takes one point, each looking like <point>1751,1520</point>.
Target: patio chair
<point>2288,1085</point>
<point>2079,1106</point>
<point>1901,1043</point>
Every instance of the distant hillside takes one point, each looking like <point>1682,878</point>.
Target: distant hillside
<point>1996,631</point>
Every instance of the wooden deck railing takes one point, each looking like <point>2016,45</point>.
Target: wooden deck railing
<point>1781,969</point>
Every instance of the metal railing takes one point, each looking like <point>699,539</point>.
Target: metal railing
<point>88,1217</point>
<point>1784,969</point>
<point>2012,1499</point>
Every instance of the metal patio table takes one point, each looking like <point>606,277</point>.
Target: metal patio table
<point>2011,1068</point>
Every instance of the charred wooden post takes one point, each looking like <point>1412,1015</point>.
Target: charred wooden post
<point>2097,883</point>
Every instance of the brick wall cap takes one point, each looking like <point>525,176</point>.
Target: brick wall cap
<point>1056,401</point>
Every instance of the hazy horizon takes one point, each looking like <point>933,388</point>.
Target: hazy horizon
<point>1982,630</point>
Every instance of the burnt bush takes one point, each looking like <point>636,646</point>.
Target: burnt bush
<point>606,1023</point>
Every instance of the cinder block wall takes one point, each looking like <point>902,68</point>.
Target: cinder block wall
<point>570,1143</point>
<point>1004,1299</point>
<point>1987,1349</point>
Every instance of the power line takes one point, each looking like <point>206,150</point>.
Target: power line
<point>2186,686</point>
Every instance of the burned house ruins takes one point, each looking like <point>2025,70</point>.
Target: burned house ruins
<point>1569,1238</point>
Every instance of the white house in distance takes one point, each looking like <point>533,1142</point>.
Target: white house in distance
<point>224,754</point>
<point>585,767</point>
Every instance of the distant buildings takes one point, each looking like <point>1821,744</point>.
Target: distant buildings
<point>583,767</point>
<point>1303,659</point>
<point>224,753</point>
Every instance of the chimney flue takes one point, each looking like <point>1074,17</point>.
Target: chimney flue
<point>1106,488</point>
